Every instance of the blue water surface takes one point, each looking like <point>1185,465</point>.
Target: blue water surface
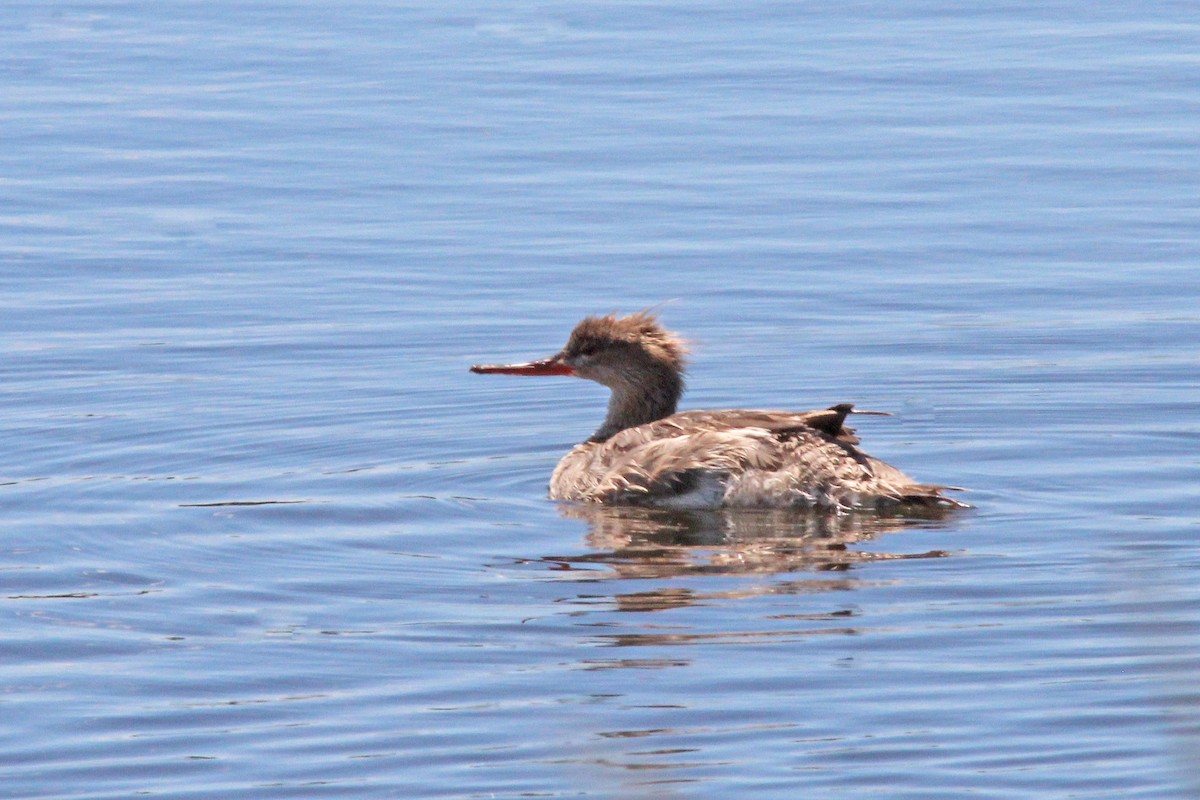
<point>263,535</point>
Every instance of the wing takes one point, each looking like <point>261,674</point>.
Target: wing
<point>830,420</point>
<point>700,451</point>
<point>637,466</point>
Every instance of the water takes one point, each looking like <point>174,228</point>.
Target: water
<point>265,536</point>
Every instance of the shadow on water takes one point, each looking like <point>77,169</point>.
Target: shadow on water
<point>636,544</point>
<point>643,542</point>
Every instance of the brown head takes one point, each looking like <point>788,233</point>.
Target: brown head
<point>642,362</point>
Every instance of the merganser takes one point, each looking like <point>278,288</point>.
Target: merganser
<point>646,454</point>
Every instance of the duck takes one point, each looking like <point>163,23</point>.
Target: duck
<point>647,453</point>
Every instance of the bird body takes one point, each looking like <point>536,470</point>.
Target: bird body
<point>647,454</point>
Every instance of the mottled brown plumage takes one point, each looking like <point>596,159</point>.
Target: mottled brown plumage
<point>646,454</point>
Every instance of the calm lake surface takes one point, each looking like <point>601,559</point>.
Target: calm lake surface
<point>264,536</point>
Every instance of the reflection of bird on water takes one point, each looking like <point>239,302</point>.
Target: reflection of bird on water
<point>647,454</point>
<point>641,543</point>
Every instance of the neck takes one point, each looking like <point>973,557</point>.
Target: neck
<point>630,406</point>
